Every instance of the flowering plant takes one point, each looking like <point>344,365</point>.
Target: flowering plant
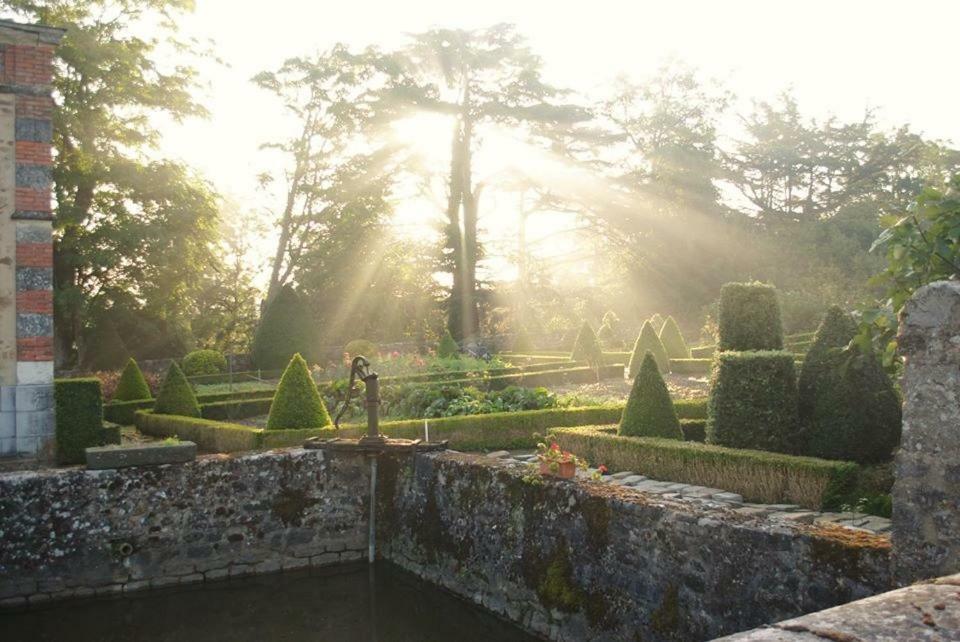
<point>553,456</point>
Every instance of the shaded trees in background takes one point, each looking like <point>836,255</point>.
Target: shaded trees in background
<point>478,77</point>
<point>132,233</point>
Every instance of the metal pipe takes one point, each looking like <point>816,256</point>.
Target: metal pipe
<point>373,405</point>
<point>372,537</point>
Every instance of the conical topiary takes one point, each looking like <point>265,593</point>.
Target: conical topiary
<point>649,411</point>
<point>605,334</point>
<point>648,341</point>
<point>848,407</point>
<point>285,328</point>
<point>297,403</point>
<point>132,385</point>
<point>586,347</point>
<point>176,395</point>
<point>448,347</point>
<point>672,340</point>
<point>657,321</point>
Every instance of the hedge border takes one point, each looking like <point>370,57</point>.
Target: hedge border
<point>756,475</point>
<point>493,431</point>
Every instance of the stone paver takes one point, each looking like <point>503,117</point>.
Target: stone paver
<point>700,494</point>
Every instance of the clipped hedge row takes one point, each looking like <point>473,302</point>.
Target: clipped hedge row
<point>495,431</point>
<point>759,476</point>
<point>79,418</point>
<point>691,366</point>
<point>122,412</point>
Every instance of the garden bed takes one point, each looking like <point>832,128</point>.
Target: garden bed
<point>758,476</point>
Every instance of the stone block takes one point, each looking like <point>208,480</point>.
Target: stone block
<point>31,398</point>
<point>8,446</point>
<point>35,424</point>
<point>732,498</point>
<point>104,457</point>
<point>26,446</point>
<point>8,397</point>
<point>8,425</point>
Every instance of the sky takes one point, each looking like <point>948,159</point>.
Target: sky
<point>838,57</point>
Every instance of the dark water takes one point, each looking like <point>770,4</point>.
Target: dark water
<point>334,604</point>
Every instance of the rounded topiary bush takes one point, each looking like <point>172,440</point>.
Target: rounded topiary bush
<point>448,347</point>
<point>586,347</point>
<point>649,411</point>
<point>749,317</point>
<point>672,340</point>
<point>132,385</point>
<point>204,362</point>
<point>176,395</point>
<point>848,407</point>
<point>359,347</point>
<point>753,401</point>
<point>648,341</point>
<point>657,322</point>
<point>297,402</point>
<point>285,329</point>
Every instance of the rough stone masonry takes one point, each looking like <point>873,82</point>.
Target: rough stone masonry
<point>926,493</point>
<point>26,245</point>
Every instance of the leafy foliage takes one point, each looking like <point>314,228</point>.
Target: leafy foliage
<point>285,329</point>
<point>648,342</point>
<point>753,401</point>
<point>79,418</point>
<point>438,400</point>
<point>176,396</point>
<point>204,362</point>
<point>297,403</point>
<point>586,347</point>
<point>921,245</point>
<point>649,411</point>
<point>672,340</point>
<point>132,384</point>
<point>362,347</point>
<point>848,407</point>
<point>749,317</point>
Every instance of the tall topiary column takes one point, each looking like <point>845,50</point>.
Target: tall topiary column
<point>586,347</point>
<point>649,411</point>
<point>848,407</point>
<point>749,317</point>
<point>176,395</point>
<point>285,329</point>
<point>753,401</point>
<point>672,340</point>
<point>297,402</point>
<point>132,385</point>
<point>648,341</point>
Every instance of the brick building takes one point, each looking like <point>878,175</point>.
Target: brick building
<point>26,247</point>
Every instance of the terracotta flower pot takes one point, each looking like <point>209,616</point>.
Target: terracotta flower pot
<point>565,470</point>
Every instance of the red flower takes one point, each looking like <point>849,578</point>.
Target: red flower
<point>554,446</point>
<point>602,469</point>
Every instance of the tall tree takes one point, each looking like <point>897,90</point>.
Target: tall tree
<point>128,226</point>
<point>478,77</point>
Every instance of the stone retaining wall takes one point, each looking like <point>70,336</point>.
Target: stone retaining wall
<point>568,560</point>
<point>593,561</point>
<point>74,532</point>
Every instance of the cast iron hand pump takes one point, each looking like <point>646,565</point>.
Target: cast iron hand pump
<point>360,369</point>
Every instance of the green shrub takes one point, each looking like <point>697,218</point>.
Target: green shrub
<point>649,411</point>
<point>691,408</point>
<point>586,348</point>
<point>285,329</point>
<point>297,403</point>
<point>691,366</point>
<point>753,401</point>
<point>79,418</point>
<point>848,407</point>
<point>236,409</point>
<point>204,362</point>
<point>749,317</point>
<point>694,429</point>
<point>112,434</point>
<point>176,395</point>
<point>764,477</point>
<point>362,347</point>
<point>657,322</point>
<point>448,347</point>
<point>132,385</point>
<point>648,341</point>
<point>605,334</point>
<point>703,352</point>
<point>672,340</point>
